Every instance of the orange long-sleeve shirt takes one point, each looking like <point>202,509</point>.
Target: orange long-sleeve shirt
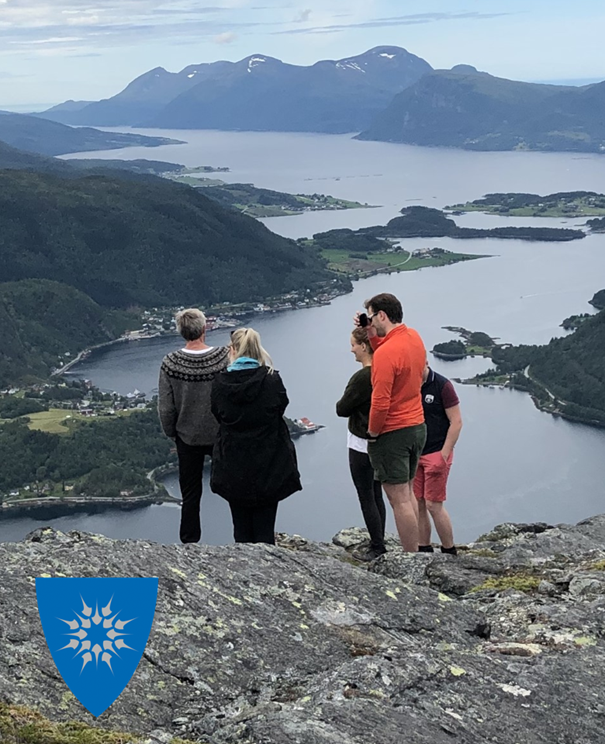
<point>397,368</point>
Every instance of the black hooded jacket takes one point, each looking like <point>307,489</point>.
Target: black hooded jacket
<point>254,460</point>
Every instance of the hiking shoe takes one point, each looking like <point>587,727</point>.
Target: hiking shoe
<point>368,555</point>
<point>449,551</point>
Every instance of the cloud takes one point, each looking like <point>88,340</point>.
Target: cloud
<point>303,16</point>
<point>407,20</point>
<point>103,22</point>
<point>228,37</point>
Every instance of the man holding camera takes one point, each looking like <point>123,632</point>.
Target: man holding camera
<point>396,430</point>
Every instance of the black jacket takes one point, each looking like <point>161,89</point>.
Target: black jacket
<point>356,401</point>
<point>254,460</point>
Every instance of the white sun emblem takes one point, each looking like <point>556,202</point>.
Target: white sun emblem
<point>97,634</point>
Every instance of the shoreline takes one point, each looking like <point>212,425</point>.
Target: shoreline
<point>540,405</point>
<point>50,507</point>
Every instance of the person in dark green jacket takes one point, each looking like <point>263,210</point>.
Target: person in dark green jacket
<point>355,405</point>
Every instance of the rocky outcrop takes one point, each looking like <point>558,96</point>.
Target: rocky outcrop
<point>300,644</point>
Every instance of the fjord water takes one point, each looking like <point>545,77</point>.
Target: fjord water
<point>513,463</point>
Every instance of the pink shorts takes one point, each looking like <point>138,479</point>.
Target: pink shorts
<point>431,477</point>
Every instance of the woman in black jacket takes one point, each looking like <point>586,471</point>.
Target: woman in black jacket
<point>355,405</point>
<point>254,460</point>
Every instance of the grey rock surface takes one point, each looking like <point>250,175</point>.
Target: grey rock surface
<point>300,644</point>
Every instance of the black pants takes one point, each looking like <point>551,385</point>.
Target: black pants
<point>370,496</point>
<point>191,470</point>
<point>253,524</point>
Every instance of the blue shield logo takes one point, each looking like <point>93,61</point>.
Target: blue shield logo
<point>96,631</point>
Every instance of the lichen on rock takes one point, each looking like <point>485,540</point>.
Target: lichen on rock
<point>294,644</point>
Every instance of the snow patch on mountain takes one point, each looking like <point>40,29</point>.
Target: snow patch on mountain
<point>347,65</point>
<point>254,62</point>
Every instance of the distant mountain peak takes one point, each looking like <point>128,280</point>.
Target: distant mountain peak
<point>466,70</point>
<point>466,108</point>
<point>262,93</point>
<point>157,71</point>
<point>255,61</point>
<point>384,51</point>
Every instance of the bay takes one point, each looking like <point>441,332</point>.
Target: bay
<point>513,462</point>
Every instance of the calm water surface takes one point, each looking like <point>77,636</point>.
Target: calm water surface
<point>513,463</point>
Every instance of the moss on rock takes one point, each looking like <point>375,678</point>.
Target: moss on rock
<point>521,582</point>
<point>20,725</point>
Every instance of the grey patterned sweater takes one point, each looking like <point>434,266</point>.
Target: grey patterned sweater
<point>184,394</point>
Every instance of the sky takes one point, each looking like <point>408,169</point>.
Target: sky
<point>54,50</point>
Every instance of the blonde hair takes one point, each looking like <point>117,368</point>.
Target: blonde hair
<point>245,342</point>
<point>191,323</point>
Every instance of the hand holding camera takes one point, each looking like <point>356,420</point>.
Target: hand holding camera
<point>362,320</point>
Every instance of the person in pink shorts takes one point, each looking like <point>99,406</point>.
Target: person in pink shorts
<point>444,423</point>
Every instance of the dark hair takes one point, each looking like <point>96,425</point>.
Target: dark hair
<point>361,336</point>
<point>388,304</point>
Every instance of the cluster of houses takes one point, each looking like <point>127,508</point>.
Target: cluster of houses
<point>158,321</point>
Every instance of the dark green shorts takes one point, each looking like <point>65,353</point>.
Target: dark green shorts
<point>395,455</point>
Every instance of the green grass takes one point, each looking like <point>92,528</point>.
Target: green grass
<point>478,351</point>
<point>342,260</point>
<point>494,379</point>
<point>60,420</point>
<point>53,421</point>
<point>567,209</point>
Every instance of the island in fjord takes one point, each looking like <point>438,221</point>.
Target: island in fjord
<point>473,343</point>
<point>562,204</point>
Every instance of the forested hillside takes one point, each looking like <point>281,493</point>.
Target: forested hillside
<point>51,138</point>
<point>142,242</point>
<point>77,252</point>
<point>101,456</point>
<point>43,321</point>
<point>571,368</point>
<point>476,111</point>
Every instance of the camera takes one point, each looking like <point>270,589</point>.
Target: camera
<point>363,320</point>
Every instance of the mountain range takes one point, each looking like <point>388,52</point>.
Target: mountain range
<point>466,108</point>
<point>257,93</point>
<point>387,94</point>
<point>36,135</point>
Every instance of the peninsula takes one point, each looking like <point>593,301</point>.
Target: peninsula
<point>564,377</point>
<point>67,446</point>
<point>379,256</point>
<point>257,202</point>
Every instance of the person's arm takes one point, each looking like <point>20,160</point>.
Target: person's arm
<point>374,340</point>
<point>282,395</point>
<point>383,376</point>
<point>455,418</point>
<point>214,400</point>
<point>451,404</point>
<point>356,394</point>
<point>167,409</point>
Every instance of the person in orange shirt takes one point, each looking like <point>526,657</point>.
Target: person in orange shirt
<point>396,429</point>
